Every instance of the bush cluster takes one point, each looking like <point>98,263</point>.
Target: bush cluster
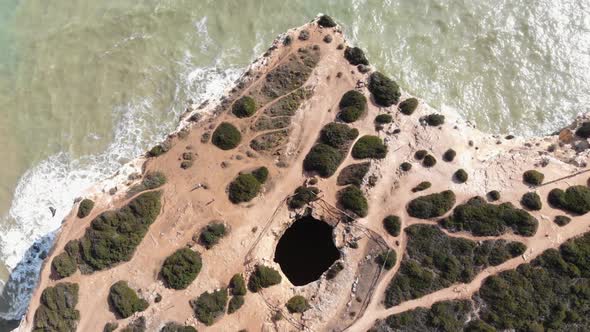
<point>57,309</point>
<point>493,195</point>
<point>352,106</point>
<point>181,268</point>
<point>297,304</point>
<point>244,107</point>
<point>226,136</point>
<point>353,174</point>
<point>209,306</point>
<point>387,259</point>
<point>369,146</point>
<point>124,300</point>
<point>334,270</point>
<point>237,285</point>
<point>64,265</point>
<point>431,206</point>
<point>385,91</point>
<point>449,155</point>
<point>421,186</point>
<point>355,56</point>
<point>263,277</point>
<point>244,188</point>
<point>110,327</point>
<point>383,118</point>
<point>85,207</point>
<point>408,106</point>
<point>575,199</point>
<point>211,234</point>
<point>323,159</point>
<point>326,21</point>
<point>338,135</point>
<point>235,303</point>
<point>158,150</point>
<point>584,130</point>
<point>434,119</point>
<point>303,195</point>
<point>261,174</point>
<point>485,219</point>
<point>420,154</point>
<point>562,220</point>
<point>531,201</point>
<point>405,166</point>
<point>137,325</point>
<point>429,161</point>
<point>151,180</point>
<point>533,177</point>
<point>434,260</point>
<point>392,225</point>
<point>352,198</point>
<point>113,235</point>
<point>461,176</point>
<point>175,327</point>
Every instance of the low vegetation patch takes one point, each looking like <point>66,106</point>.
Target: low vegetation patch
<point>485,219</point>
<point>237,285</point>
<point>383,118</point>
<point>392,225</point>
<point>235,303</point>
<point>434,120</point>
<point>303,196</point>
<point>531,201</point>
<point>408,106</point>
<point>575,199</point>
<point>352,198</point>
<point>297,304</point>
<point>434,261</point>
<point>263,277</point>
<point>562,220</point>
<point>449,155</point>
<point>244,107</point>
<point>323,159</point>
<point>57,309</point>
<point>421,186</point>
<point>124,300</point>
<point>64,265</point>
<point>209,306</point>
<point>353,174</point>
<point>431,206</point>
<point>85,207</point>
<point>211,234</point>
<point>461,176</point>
<point>181,268</point>
<point>387,259</point>
<point>176,327</point>
<point>151,180</point>
<point>226,136</point>
<point>533,177</point>
<point>355,56</point>
<point>158,150</point>
<point>369,146</point>
<point>384,90</point>
<point>352,106</point>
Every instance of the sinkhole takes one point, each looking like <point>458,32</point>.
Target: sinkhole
<point>306,250</point>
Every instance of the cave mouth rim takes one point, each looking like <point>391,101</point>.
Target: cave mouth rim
<point>305,264</point>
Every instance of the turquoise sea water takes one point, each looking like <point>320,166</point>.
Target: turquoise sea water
<point>88,85</point>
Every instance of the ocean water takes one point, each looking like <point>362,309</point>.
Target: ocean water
<point>87,85</point>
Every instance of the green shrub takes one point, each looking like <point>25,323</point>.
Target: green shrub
<point>181,268</point>
<point>334,270</point>
<point>352,106</point>
<point>226,136</point>
<point>113,235</point>
<point>449,155</point>
<point>158,150</point>
<point>353,174</point>
<point>431,206</point>
<point>531,201</point>
<point>493,195</point>
<point>261,174</point>
<point>421,186</point>
<point>151,180</point>
<point>244,107</point>
<point>235,303</point>
<point>387,259</point>
<point>392,225</point>
<point>237,285</point>
<point>461,176</point>
<point>338,135</point>
<point>384,118</point>
<point>429,161</point>
<point>326,21</point>
<point>369,146</point>
<point>533,177</point>
<point>434,119</point>
<point>584,130</point>
<point>385,91</point>
<point>562,220</point>
<point>57,309</point>
<point>352,198</point>
<point>420,154</point>
<point>175,327</point>
<point>209,306</point>
<point>408,106</point>
<point>447,316</point>
<point>263,277</point>
<point>244,188</point>
<point>405,166</point>
<point>124,300</point>
<point>137,325</point>
<point>85,207</point>
<point>303,195</point>
<point>575,199</point>
<point>322,159</point>
<point>211,234</point>
<point>110,327</point>
<point>297,304</point>
<point>64,265</point>
<point>485,219</point>
<point>355,56</point>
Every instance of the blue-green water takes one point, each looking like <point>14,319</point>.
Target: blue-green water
<point>87,85</point>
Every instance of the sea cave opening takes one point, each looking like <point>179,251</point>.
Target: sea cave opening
<point>306,250</point>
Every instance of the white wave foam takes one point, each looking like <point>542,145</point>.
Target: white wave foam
<point>29,227</point>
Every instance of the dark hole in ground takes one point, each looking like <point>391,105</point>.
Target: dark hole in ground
<point>306,250</point>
